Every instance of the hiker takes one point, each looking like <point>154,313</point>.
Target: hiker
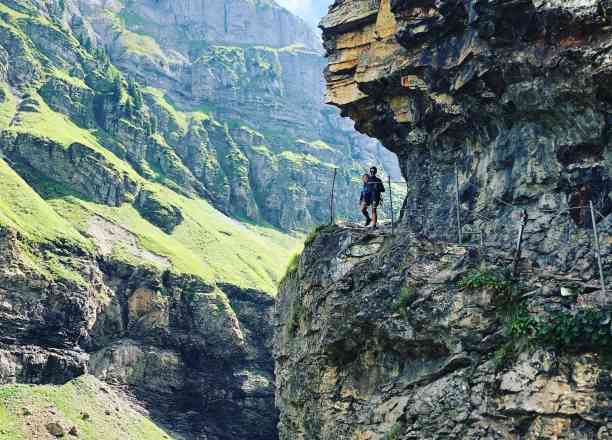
<point>370,196</point>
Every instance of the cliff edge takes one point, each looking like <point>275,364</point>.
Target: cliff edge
<point>497,111</point>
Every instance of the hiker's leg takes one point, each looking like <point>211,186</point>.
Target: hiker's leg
<point>364,210</point>
<point>374,215</point>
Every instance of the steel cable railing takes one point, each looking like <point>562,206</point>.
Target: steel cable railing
<point>473,225</point>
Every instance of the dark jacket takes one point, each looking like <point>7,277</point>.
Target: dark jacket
<point>373,188</point>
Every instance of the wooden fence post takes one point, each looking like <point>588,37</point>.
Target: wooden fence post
<point>331,201</point>
<point>597,248</point>
<point>392,212</point>
<point>519,243</point>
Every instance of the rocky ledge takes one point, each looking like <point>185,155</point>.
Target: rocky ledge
<point>509,101</point>
<point>399,337</point>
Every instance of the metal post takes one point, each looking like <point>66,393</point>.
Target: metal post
<point>597,248</point>
<point>331,202</point>
<point>391,203</point>
<point>519,243</point>
<point>459,231</point>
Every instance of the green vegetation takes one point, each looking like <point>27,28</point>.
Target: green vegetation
<point>584,329</point>
<point>67,78</point>
<point>497,280</point>
<point>292,266</point>
<point>24,210</point>
<point>587,328</point>
<point>8,106</point>
<point>180,119</point>
<point>318,145</point>
<point>47,124</point>
<point>314,234</point>
<point>299,160</point>
<point>207,243</point>
<point>85,403</point>
<point>404,300</point>
<point>394,433</point>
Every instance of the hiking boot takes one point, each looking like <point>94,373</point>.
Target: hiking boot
<point>367,222</point>
<point>375,227</point>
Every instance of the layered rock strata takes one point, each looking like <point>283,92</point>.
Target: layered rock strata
<point>509,101</point>
<point>195,355</point>
<point>382,337</point>
<point>494,109</point>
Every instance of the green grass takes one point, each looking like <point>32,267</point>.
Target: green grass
<point>300,160</point>
<point>67,78</point>
<point>13,14</point>
<point>318,145</point>
<point>141,44</point>
<point>310,238</point>
<point>23,209</point>
<point>8,106</point>
<point>207,243</point>
<point>24,411</point>
<point>181,119</point>
<point>48,124</point>
<point>160,99</point>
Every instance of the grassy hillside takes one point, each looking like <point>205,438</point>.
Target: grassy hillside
<point>45,195</point>
<point>91,407</point>
<point>23,209</point>
<point>207,243</point>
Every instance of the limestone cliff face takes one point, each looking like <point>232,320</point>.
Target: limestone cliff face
<point>404,336</point>
<point>514,95</point>
<point>253,67</point>
<point>232,22</point>
<point>195,355</point>
<point>398,337</point>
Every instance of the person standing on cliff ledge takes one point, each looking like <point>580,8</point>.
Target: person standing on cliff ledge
<point>371,196</point>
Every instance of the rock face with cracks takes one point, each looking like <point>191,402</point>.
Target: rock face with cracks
<point>380,337</point>
<point>494,108</point>
<point>509,101</point>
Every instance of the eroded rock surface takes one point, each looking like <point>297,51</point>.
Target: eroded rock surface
<point>510,99</point>
<point>381,336</point>
<point>197,356</point>
<point>377,338</point>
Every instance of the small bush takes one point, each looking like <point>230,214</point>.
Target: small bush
<point>313,234</point>
<point>584,330</point>
<point>499,280</point>
<point>394,433</point>
<point>405,298</point>
<point>518,330</point>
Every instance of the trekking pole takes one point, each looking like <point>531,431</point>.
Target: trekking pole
<point>597,247</point>
<point>331,202</point>
<point>391,204</point>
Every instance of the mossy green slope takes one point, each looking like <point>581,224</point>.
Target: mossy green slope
<point>96,412</point>
<point>207,243</point>
<point>23,209</point>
